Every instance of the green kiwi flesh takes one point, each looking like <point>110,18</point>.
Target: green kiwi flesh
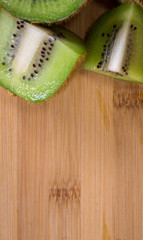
<point>42,10</point>
<point>36,61</point>
<point>115,44</point>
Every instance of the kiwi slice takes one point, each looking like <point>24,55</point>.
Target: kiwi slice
<point>115,44</point>
<point>36,61</point>
<point>42,10</point>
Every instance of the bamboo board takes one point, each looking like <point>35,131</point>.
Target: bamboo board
<point>71,168</point>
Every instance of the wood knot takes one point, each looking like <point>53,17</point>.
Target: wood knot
<point>128,98</point>
<point>65,193</point>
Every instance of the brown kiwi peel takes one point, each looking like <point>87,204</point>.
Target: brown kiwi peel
<point>65,84</point>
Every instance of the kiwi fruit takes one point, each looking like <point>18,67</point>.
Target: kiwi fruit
<point>115,44</point>
<point>130,1</point>
<point>36,61</point>
<point>43,11</point>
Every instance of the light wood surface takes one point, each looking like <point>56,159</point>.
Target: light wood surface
<point>72,168</point>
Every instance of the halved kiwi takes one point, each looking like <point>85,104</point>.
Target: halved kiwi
<point>115,44</point>
<point>42,10</point>
<point>36,61</point>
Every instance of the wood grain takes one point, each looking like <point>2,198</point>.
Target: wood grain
<point>71,168</point>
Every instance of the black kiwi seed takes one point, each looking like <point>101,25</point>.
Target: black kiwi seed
<point>22,26</point>
<point>48,53</point>
<point>18,27</point>
<point>24,77</point>
<point>44,49</point>
<point>34,65</point>
<point>108,35</point>
<point>50,40</point>
<point>114,26</point>
<point>22,21</point>
<point>51,44</point>
<point>45,43</point>
<point>12,46</point>
<point>47,59</point>
<point>18,22</point>
<point>43,56</point>
<point>135,28</point>
<point>3,63</point>
<point>39,65</point>
<point>14,35</point>
<point>41,60</point>
<point>35,72</point>
<point>102,35</point>
<point>10,69</point>
<point>131,26</point>
<point>32,75</point>
<point>50,48</point>
<point>42,52</point>
<point>29,79</point>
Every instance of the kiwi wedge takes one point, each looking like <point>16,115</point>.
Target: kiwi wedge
<point>115,44</point>
<point>42,10</point>
<point>35,61</point>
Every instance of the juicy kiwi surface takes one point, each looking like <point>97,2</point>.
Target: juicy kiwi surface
<point>42,10</point>
<point>115,44</point>
<point>36,61</point>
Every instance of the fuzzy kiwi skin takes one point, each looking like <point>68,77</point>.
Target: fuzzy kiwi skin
<point>95,47</point>
<point>59,21</point>
<point>65,84</point>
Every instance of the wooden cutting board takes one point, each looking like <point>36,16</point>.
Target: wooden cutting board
<point>72,168</point>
